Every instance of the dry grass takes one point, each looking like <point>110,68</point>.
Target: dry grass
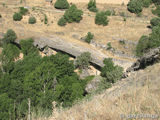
<point>123,98</point>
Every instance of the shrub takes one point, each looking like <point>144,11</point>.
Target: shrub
<point>111,72</point>
<point>82,61</point>
<point>134,6</point>
<point>142,45</point>
<point>32,20</point>
<point>45,19</point>
<point>61,4</point>
<point>146,3</point>
<point>108,13</point>
<point>155,21</point>
<point>109,46</point>
<point>23,10</point>
<point>73,14</point>
<point>156,11</point>
<point>101,18</point>
<point>9,37</point>
<point>157,2</point>
<point>17,17</point>
<point>89,37</point>
<point>62,21</point>
<point>92,6</point>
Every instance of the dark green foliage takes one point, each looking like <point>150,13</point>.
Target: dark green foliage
<point>27,46</point>
<point>111,72</point>
<point>32,20</point>
<point>45,19</point>
<point>92,6</point>
<point>101,18</point>
<point>9,37</point>
<point>156,11</point>
<point>83,60</point>
<point>61,4</point>
<point>109,46</point>
<point>62,21</point>
<point>146,3</point>
<point>73,14</point>
<point>108,12</point>
<point>17,17</point>
<point>135,6</point>
<point>157,2</point>
<point>23,11</point>
<point>142,45</point>
<point>89,37</point>
<point>155,21</point>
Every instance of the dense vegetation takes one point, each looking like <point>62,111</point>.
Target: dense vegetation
<point>17,17</point>
<point>92,6</point>
<point>32,20</point>
<point>135,6</point>
<point>155,21</point>
<point>61,4</point>
<point>101,18</point>
<point>42,80</point>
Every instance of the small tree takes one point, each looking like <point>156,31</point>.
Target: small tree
<point>23,10</point>
<point>61,4</point>
<point>101,18</point>
<point>32,20</point>
<point>17,17</point>
<point>146,3</point>
<point>135,6</point>
<point>9,37</point>
<point>92,6</point>
<point>155,21</point>
<point>62,21</point>
<point>89,37</point>
<point>156,11</point>
<point>108,12</point>
<point>73,14</point>
<point>82,61</point>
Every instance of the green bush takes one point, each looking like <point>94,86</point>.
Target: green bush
<point>89,37</point>
<point>142,46</point>
<point>61,4</point>
<point>156,11</point>
<point>157,2</point>
<point>45,19</point>
<point>108,13</point>
<point>23,10</point>
<point>32,20</point>
<point>92,6</point>
<point>82,61</point>
<point>9,37</point>
<point>146,3</point>
<point>62,21</point>
<point>73,14</point>
<point>111,72</point>
<point>135,6</point>
<point>101,18</point>
<point>17,17</point>
<point>155,21</point>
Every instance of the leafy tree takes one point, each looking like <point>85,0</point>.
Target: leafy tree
<point>83,60</point>
<point>73,14</point>
<point>146,3</point>
<point>62,21</point>
<point>61,4</point>
<point>155,21</point>
<point>101,18</point>
<point>89,37</point>
<point>92,6</point>
<point>142,45</point>
<point>27,46</point>
<point>156,11</point>
<point>23,11</point>
<point>135,6</point>
<point>32,20</point>
<point>9,37</point>
<point>111,72</point>
<point>17,17</point>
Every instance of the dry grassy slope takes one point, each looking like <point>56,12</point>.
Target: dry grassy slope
<point>138,94</point>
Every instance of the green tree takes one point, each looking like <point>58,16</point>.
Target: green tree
<point>146,3</point>
<point>32,20</point>
<point>23,11</point>
<point>62,21</point>
<point>155,21</point>
<point>89,37</point>
<point>135,6</point>
<point>101,18</point>
<point>92,6</point>
<point>17,17</point>
<point>61,4</point>
<point>111,72</point>
<point>157,2</point>
<point>156,11</point>
<point>83,60</point>
<point>9,37</point>
<point>73,14</point>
